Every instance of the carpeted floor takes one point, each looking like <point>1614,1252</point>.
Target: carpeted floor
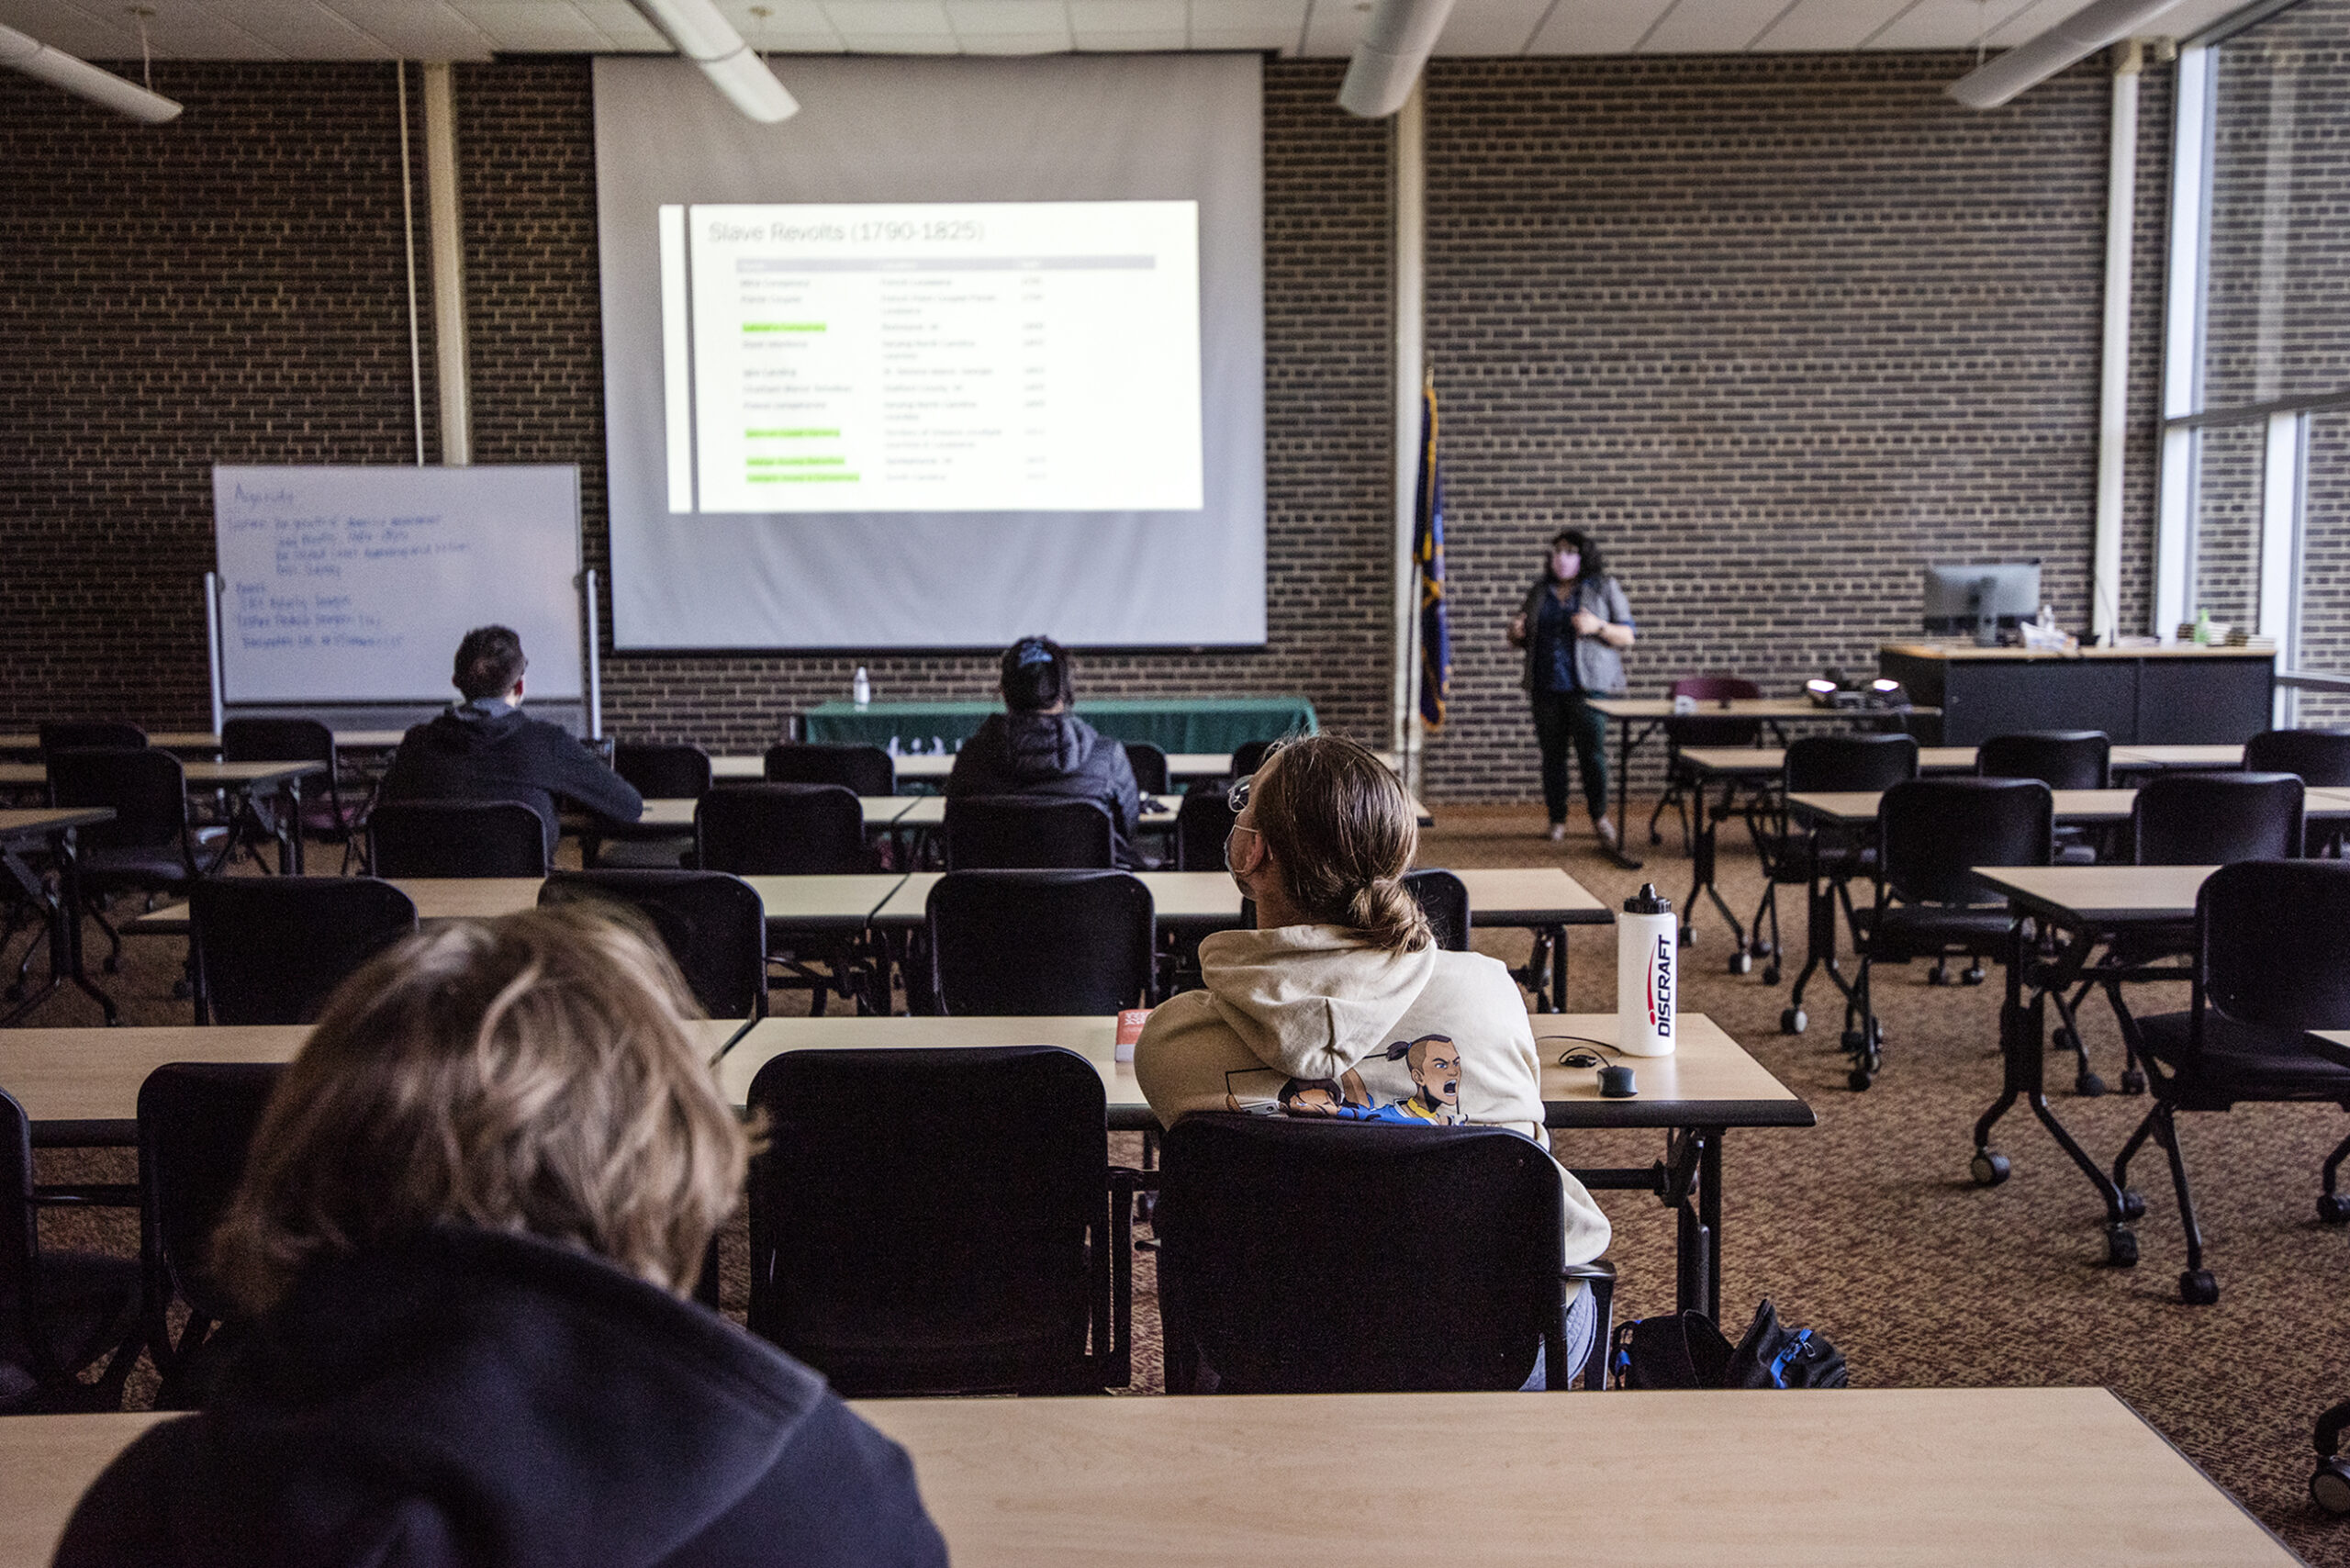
<point>1868,1228</point>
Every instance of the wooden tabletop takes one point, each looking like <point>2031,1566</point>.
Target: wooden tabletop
<point>1179,765</point>
<point>930,811</point>
<point>40,822</point>
<point>2021,1477</point>
<point>792,902</point>
<point>201,773</point>
<point>1710,1080</point>
<point>2100,895</point>
<point>1848,807</point>
<point>2155,756</point>
<point>205,740</point>
<point>677,814</point>
<point>1769,761</point>
<point>1498,896</point>
<point>825,903</point>
<point>1969,651</point>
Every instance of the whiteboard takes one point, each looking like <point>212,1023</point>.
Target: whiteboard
<point>355,585</point>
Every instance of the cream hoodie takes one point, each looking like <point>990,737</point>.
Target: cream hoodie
<point>1309,1020</point>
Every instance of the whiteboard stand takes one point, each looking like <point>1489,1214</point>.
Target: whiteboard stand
<point>595,663</point>
<point>212,640</point>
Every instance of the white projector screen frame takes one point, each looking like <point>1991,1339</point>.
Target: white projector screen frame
<point>1066,129</point>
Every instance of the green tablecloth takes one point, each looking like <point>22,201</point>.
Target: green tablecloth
<point>1171,724</point>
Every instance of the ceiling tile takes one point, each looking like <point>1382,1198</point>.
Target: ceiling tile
<point>1129,16</point>
<point>972,18</point>
<point>1596,27</point>
<point>1164,41</point>
<point>784,18</point>
<point>1333,28</point>
<point>301,29</point>
<point>1814,25</point>
<point>76,30</point>
<point>417,29</point>
<point>787,44</point>
<point>521,25</point>
<point>1711,26</point>
<point>1252,39</point>
<point>1944,23</point>
<point>1490,26</point>
<point>1015,43</point>
<point>1249,16</point>
<point>624,24</point>
<point>886,17</point>
<point>188,29</point>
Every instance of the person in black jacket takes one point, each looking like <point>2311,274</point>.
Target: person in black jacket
<point>485,749</point>
<point>473,1211</point>
<point>1039,747</point>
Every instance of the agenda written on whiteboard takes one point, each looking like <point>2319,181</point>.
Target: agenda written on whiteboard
<point>278,612</point>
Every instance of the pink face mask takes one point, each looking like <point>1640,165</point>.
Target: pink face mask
<point>1566,566</point>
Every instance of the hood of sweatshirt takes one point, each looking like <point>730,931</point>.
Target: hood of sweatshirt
<point>1040,747</point>
<point>1303,996</point>
<point>475,727</point>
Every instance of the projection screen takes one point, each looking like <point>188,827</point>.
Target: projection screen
<point>967,349</point>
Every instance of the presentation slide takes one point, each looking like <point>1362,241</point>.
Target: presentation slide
<point>982,356</point>
<point>967,349</point>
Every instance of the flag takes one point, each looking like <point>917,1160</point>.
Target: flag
<point>1427,550</point>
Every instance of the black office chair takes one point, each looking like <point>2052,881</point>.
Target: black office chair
<point>860,770</point>
<point>2181,819</point>
<point>712,923</point>
<point>1299,1256</point>
<point>195,1123</point>
<point>59,1311</point>
<point>2322,759</point>
<point>1930,904</point>
<point>151,846</point>
<point>456,838</point>
<point>1026,832</point>
<point>1149,765</point>
<point>90,734</point>
<point>658,773</point>
<point>1013,943</point>
<point>1202,824</point>
<point>795,830</point>
<point>272,949</point>
<point>942,1221</point>
<point>1444,899</point>
<point>324,810</point>
<point>2062,759</point>
<point>1699,729</point>
<point>2272,943</point>
<point>1249,756</point>
<point>1791,857</point>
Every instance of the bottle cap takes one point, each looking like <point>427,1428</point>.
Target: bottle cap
<point>1647,901</point>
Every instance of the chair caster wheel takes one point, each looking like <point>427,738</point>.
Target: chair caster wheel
<point>1860,1077</point>
<point>2333,1208</point>
<point>2063,1041</point>
<point>1990,1170</point>
<point>112,966</point>
<point>1741,963</point>
<point>1656,835</point>
<point>15,992</point>
<point>1688,936</point>
<point>2088,1086</point>
<point>2197,1288</point>
<point>2330,1488</point>
<point>1938,976</point>
<point>2134,1204</point>
<point>1770,974</point>
<point>1972,977</point>
<point>2120,1247</point>
<point>2134,1082</point>
<point>1853,1042</point>
<point>1762,950</point>
<point>182,991</point>
<point>1792,1021</point>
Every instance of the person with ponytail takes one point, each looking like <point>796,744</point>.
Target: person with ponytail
<point>1342,984</point>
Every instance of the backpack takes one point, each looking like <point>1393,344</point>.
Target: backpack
<point>1687,1350</point>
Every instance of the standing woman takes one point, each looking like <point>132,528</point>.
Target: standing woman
<point>1575,624</point>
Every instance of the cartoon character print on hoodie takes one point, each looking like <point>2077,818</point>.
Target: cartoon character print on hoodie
<point>1308,1020</point>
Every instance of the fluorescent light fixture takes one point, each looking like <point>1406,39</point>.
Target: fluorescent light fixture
<point>2075,38</point>
<point>711,41</point>
<point>83,79</point>
<point>1395,43</point>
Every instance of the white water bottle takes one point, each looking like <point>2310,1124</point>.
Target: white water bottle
<point>860,688</point>
<point>1647,974</point>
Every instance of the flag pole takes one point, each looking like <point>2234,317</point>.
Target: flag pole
<point>1408,171</point>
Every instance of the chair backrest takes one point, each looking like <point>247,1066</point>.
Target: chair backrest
<point>1249,756</point>
<point>860,770</point>
<point>1930,831</point>
<point>456,838</point>
<point>664,772</point>
<point>272,949</point>
<point>1202,824</point>
<point>1444,899</point>
<point>2273,937</point>
<point>2216,819</point>
<point>920,1218</point>
<point>1304,1256</point>
<point>1712,729</point>
<point>782,830</point>
<point>1149,765</point>
<point>1013,943</point>
<point>1873,762</point>
<point>195,1122</point>
<point>90,734</point>
<point>712,923</point>
<point>2322,757</point>
<point>147,789</point>
<point>276,740</point>
<point>2062,759</point>
<point>20,1233</point>
<point>1028,832</point>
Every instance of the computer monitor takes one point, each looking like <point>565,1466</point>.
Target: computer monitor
<point>1979,601</point>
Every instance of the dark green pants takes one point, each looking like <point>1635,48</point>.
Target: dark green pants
<point>1563,720</point>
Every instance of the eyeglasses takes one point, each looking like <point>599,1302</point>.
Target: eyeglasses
<point>1237,796</point>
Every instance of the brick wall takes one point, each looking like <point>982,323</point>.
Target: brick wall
<point>1775,326</point>
<point>1778,332</point>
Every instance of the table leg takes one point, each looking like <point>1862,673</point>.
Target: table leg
<point>1709,1215</point>
<point>1702,859</point>
<point>290,797</point>
<point>64,908</point>
<point>1557,999</point>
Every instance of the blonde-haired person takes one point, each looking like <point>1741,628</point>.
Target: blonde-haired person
<point>1340,1003</point>
<point>473,1211</point>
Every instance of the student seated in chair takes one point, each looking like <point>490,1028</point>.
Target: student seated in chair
<point>475,1207</point>
<point>1340,1003</point>
<point>484,748</point>
<point>1036,746</point>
